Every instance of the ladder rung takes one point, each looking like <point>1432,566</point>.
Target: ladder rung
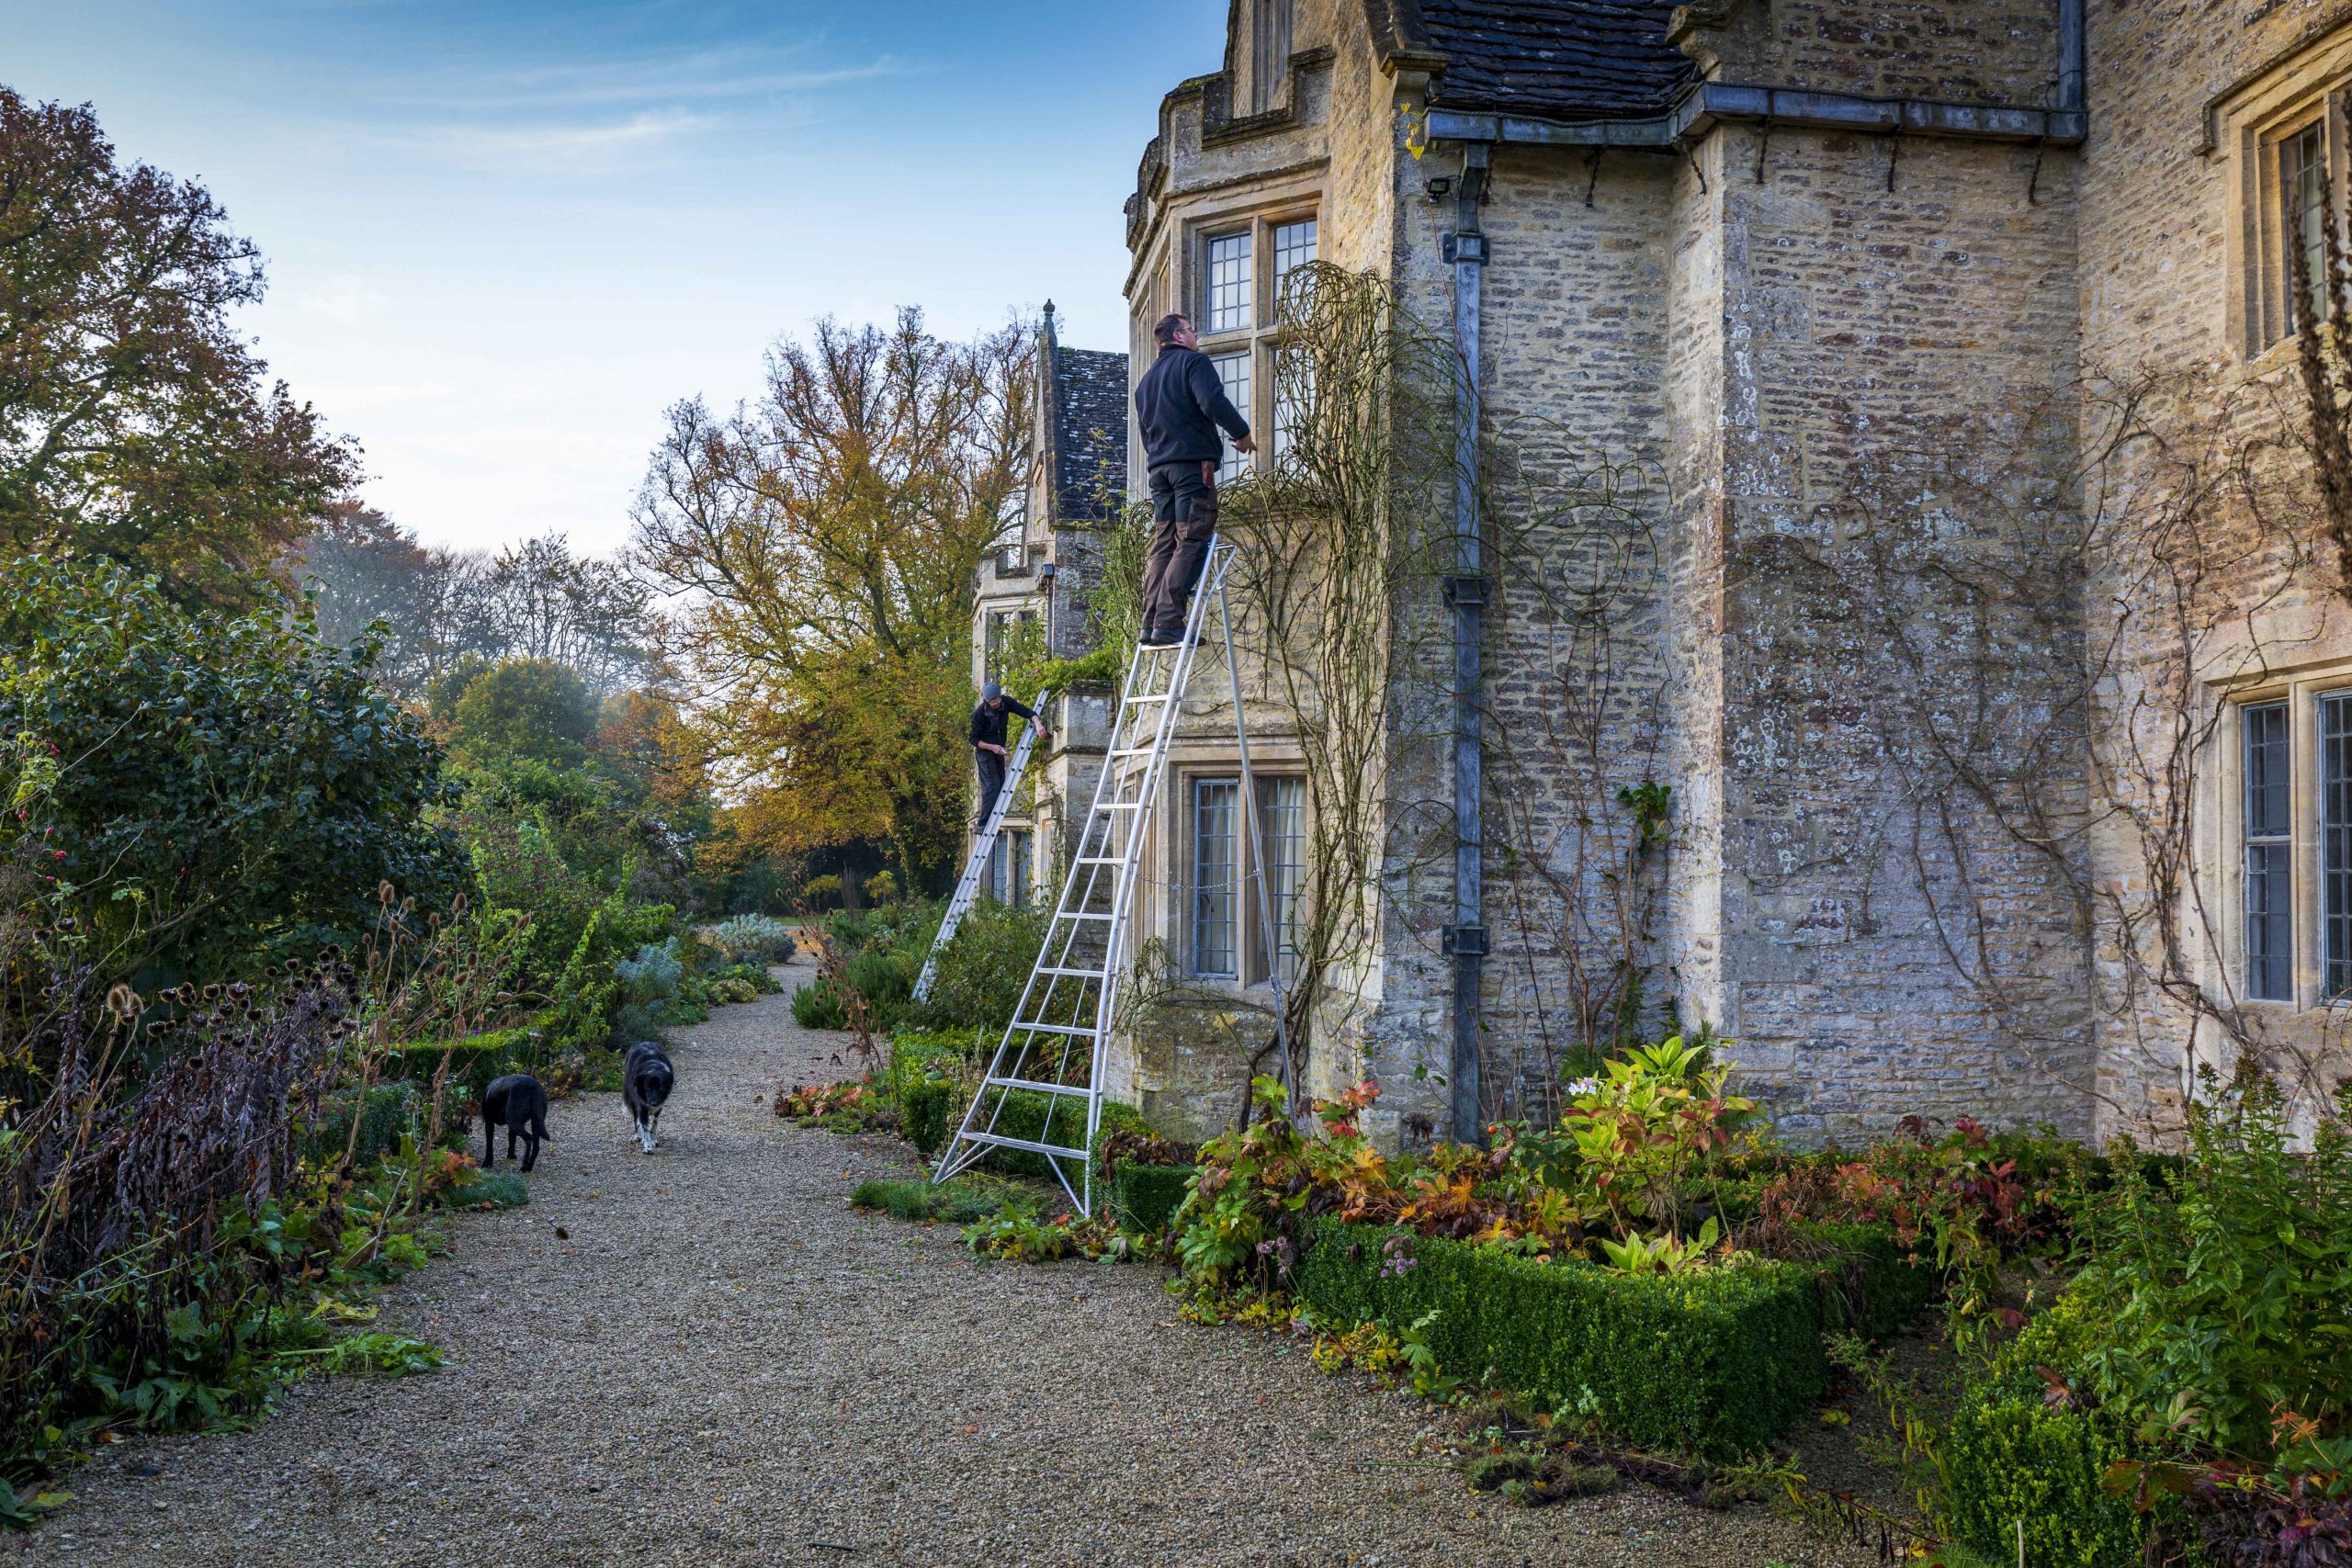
<point>1060,1088</point>
<point>1101,860</point>
<point>1002,1142</point>
<point>1070,1029</point>
<point>1074,974</point>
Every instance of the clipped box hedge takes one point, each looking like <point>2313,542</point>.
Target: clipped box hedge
<point>930,1109</point>
<point>2009,1457</point>
<point>1146,1197</point>
<point>1714,1362</point>
<point>473,1062</point>
<point>1871,1284</point>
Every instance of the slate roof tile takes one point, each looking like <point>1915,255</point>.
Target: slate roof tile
<point>1090,432</point>
<point>1556,59</point>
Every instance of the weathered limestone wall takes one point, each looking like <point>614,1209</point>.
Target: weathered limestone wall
<point>1573,347</point>
<point>1697,370</point>
<point>1888,947</point>
<point>1948,51</point>
<point>2182,290</point>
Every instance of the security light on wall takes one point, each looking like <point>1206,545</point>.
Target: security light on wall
<point>1438,184</point>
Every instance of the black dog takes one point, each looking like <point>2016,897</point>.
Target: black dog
<point>519,1104</point>
<point>646,1078</point>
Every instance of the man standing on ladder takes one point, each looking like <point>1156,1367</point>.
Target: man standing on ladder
<point>1180,403</point>
<point>988,743</point>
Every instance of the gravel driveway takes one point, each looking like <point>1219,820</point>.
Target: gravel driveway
<point>723,1364</point>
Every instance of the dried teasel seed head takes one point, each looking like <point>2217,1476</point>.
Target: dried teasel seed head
<point>384,892</point>
<point>457,904</point>
<point>123,1002</point>
<point>213,992</point>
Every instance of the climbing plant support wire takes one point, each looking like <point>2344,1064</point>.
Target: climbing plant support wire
<point>1052,1049</point>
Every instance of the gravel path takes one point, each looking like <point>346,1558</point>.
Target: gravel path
<point>724,1365</point>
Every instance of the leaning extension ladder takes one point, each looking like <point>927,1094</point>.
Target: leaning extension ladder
<point>976,867</point>
<point>1068,1009</point>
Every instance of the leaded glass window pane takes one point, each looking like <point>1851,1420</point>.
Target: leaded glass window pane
<point>1232,370</point>
<point>2269,901</point>
<point>1229,284</point>
<point>1294,248</point>
<point>2335,840</point>
<point>1216,876</point>
<point>2303,177</point>
<point>1282,810</point>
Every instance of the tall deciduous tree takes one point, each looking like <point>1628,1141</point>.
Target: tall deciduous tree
<point>364,569</point>
<point>538,600</point>
<point>134,421</point>
<point>822,544</point>
<point>535,600</point>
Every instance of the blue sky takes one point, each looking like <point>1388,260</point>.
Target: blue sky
<point>503,237</point>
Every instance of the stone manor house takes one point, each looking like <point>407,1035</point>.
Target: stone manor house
<point>1956,823</point>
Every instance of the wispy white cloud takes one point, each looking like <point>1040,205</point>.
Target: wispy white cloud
<point>709,76</point>
<point>574,147</point>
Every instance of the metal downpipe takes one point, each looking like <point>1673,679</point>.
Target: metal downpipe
<point>1466,591</point>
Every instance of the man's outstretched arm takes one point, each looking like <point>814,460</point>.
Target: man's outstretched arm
<point>1209,392</point>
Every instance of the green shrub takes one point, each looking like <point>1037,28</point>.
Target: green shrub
<point>1715,1362</point>
<point>2227,1275</point>
<point>885,978</point>
<point>953,1203</point>
<point>979,974</point>
<point>916,1055</point>
<point>473,1062</point>
<point>753,939</point>
<point>1146,1197</point>
<point>818,1005</point>
<point>486,1189</point>
<point>247,769</point>
<point>2010,1458</point>
<point>1871,1284</point>
<point>930,1109</point>
<point>394,1111</point>
<point>927,1110</point>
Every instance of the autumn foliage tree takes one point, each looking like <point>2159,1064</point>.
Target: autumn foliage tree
<point>135,423</point>
<point>820,544</point>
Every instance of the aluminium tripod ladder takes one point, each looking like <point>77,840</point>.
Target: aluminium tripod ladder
<point>976,865</point>
<point>1069,1005</point>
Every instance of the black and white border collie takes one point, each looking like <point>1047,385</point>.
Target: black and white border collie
<point>647,1079</point>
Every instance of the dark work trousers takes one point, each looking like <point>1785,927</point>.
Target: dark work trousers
<point>1183,510</point>
<point>991,780</point>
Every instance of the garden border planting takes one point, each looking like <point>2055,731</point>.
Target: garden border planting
<point>1712,1361</point>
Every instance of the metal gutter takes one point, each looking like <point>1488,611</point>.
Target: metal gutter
<point>1710,101</point>
<point>1465,593</point>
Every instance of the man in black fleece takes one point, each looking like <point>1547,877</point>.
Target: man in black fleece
<point>988,743</point>
<point>1180,403</point>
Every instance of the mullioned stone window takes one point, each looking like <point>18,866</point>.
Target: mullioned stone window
<point>2282,129</point>
<point>1229,911</point>
<point>2287,923</point>
<point>1244,263</point>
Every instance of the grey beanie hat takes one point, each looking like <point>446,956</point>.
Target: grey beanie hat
<point>991,692</point>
